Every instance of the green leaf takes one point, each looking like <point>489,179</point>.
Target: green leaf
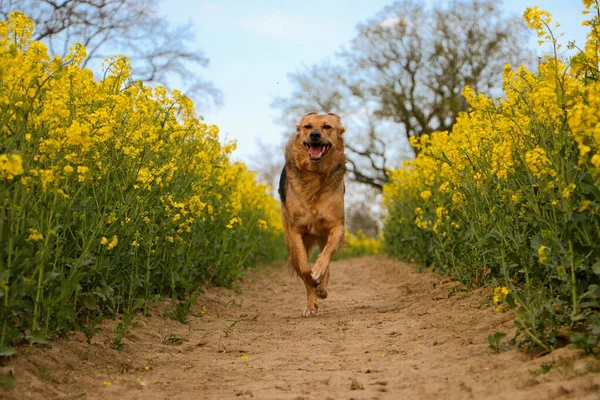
<point>7,351</point>
<point>36,339</point>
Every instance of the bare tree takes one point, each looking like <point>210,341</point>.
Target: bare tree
<point>269,168</point>
<point>363,212</point>
<point>403,76</point>
<point>158,51</point>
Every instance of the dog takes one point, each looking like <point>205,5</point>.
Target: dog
<point>311,189</point>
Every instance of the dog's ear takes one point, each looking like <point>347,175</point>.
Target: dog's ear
<point>340,128</point>
<point>305,115</point>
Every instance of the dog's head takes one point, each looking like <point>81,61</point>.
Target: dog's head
<point>320,134</point>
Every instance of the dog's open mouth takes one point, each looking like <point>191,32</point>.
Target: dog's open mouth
<point>317,151</point>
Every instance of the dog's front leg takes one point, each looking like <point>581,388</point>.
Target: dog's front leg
<point>299,260</point>
<point>334,239</point>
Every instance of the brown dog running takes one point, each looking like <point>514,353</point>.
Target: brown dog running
<point>311,189</point>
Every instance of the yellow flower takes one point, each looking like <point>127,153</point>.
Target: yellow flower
<point>585,205</point>
<point>475,100</point>
<point>35,235</point>
<point>458,198</point>
<point>233,221</point>
<point>113,242</point>
<point>538,20</point>
<point>583,148</point>
<point>538,163</point>
<point>244,357</point>
<point>82,171</point>
<point>103,241</point>
<point>542,254</point>
<point>566,193</point>
<point>46,177</point>
<point>62,193</point>
<point>21,28</point>
<point>135,243</point>
<point>11,165</point>
<point>78,134</point>
<point>500,294</point>
<point>426,194</point>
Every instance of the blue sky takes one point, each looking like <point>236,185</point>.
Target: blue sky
<point>253,45</point>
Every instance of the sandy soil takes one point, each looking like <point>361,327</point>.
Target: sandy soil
<point>385,332</point>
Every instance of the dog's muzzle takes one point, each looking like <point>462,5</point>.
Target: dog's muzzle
<point>316,151</point>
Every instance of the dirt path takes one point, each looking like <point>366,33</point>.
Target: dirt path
<point>385,332</point>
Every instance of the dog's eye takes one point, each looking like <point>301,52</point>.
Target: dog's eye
<point>307,126</point>
<point>326,126</point>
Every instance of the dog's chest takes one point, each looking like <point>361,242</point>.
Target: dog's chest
<point>312,223</point>
<point>315,206</point>
<point>312,218</point>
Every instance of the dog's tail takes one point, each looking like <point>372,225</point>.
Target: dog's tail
<point>282,185</point>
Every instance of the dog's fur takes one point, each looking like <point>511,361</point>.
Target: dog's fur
<point>311,189</point>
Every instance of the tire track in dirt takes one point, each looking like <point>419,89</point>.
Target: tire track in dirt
<point>385,332</point>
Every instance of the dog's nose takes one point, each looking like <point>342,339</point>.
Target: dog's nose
<point>315,135</point>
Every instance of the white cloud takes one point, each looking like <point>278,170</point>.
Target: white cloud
<point>280,25</point>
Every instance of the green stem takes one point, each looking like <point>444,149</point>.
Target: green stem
<point>6,293</point>
<point>573,280</point>
<point>147,283</point>
<point>531,335</point>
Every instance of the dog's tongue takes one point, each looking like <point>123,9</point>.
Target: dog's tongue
<point>315,150</point>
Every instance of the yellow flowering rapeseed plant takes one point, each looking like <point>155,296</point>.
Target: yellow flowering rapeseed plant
<point>11,165</point>
<point>500,294</point>
<point>35,235</point>
<point>360,244</point>
<point>87,166</point>
<point>542,254</point>
<point>517,176</point>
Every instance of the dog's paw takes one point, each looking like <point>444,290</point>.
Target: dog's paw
<point>318,271</point>
<point>321,293</point>
<point>316,276</point>
<point>309,313</point>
